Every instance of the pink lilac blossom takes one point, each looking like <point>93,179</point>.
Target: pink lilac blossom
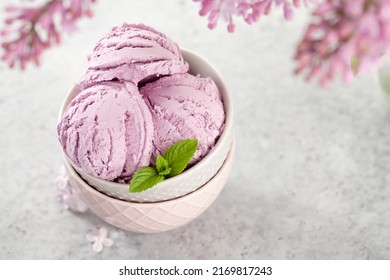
<point>100,239</point>
<point>344,37</point>
<point>249,10</point>
<point>29,31</point>
<point>67,196</point>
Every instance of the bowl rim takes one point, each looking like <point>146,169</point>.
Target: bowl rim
<point>228,108</point>
<point>76,176</point>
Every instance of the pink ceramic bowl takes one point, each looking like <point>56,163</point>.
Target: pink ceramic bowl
<point>156,216</point>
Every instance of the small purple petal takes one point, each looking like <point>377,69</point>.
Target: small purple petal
<point>91,237</point>
<point>102,232</point>
<point>288,13</point>
<point>108,242</point>
<point>97,246</point>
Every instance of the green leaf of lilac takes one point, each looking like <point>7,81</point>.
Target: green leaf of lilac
<point>355,64</point>
<point>179,155</point>
<point>162,166</point>
<point>144,178</point>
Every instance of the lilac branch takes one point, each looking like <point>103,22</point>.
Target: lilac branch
<point>344,37</point>
<point>29,31</point>
<point>249,10</point>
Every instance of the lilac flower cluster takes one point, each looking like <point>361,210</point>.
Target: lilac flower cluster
<point>249,10</point>
<point>66,194</point>
<point>30,31</point>
<point>345,36</point>
<point>70,200</point>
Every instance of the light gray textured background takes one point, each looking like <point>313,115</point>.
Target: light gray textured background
<point>311,177</point>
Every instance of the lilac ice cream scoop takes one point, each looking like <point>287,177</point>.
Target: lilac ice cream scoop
<point>133,52</point>
<point>184,106</point>
<point>107,131</point>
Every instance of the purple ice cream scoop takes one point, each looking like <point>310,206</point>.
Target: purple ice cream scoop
<point>133,53</point>
<point>185,106</point>
<point>107,131</point>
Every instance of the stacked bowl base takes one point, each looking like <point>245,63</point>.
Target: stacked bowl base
<point>155,216</point>
<point>175,201</point>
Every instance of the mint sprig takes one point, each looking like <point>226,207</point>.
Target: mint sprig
<point>145,178</point>
<point>172,163</point>
<point>162,166</point>
<point>179,155</point>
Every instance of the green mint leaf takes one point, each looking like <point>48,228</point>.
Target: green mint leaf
<point>165,171</point>
<point>179,155</point>
<point>162,166</point>
<point>144,178</point>
<point>174,161</point>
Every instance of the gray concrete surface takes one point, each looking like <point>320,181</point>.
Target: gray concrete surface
<point>311,177</point>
